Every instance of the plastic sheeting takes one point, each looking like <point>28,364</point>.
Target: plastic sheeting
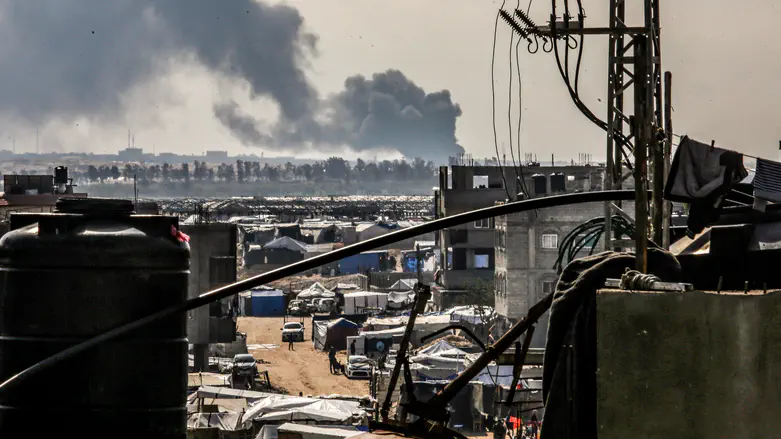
<point>314,291</point>
<point>472,314</point>
<point>442,349</point>
<point>223,421</point>
<point>400,299</point>
<point>333,333</point>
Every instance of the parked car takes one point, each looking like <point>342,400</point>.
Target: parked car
<point>296,308</point>
<point>358,366</point>
<point>243,371</point>
<point>327,305</point>
<point>293,331</point>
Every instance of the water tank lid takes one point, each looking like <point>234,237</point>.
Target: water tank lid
<point>88,206</point>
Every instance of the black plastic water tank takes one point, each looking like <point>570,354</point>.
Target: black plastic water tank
<point>558,182</point>
<point>66,276</point>
<point>61,175</point>
<point>540,182</point>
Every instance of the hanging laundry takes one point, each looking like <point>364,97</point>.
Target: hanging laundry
<point>767,183</point>
<point>702,175</point>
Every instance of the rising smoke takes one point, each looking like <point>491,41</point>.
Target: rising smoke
<point>74,58</point>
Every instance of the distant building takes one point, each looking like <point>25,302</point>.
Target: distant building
<point>36,193</point>
<point>131,155</point>
<point>216,156</point>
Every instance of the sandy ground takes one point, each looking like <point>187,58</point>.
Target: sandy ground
<point>302,370</point>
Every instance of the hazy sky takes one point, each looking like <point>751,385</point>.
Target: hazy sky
<point>725,71</point>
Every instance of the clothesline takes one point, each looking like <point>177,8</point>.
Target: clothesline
<point>746,155</point>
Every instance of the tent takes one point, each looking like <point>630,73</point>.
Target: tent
<point>441,348</point>
<point>314,291</point>
<point>362,302</point>
<point>400,299</point>
<point>333,333</point>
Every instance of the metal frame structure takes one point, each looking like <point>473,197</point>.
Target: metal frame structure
<point>643,126</point>
<point>627,135</point>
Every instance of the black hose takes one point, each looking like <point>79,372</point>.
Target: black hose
<point>308,264</point>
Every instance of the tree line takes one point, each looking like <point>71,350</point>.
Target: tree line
<point>334,168</point>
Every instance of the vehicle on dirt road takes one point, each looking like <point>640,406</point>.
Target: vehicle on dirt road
<point>358,366</point>
<point>297,308</point>
<point>292,331</point>
<point>244,370</point>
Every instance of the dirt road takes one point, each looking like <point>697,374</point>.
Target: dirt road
<point>302,370</point>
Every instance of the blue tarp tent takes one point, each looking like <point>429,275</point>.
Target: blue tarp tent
<point>369,261</point>
<point>268,303</point>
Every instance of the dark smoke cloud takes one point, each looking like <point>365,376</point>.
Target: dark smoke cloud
<point>71,58</point>
<point>243,126</point>
<point>79,56</point>
<point>389,110</point>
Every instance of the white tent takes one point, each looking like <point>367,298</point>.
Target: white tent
<point>315,290</point>
<point>442,349</point>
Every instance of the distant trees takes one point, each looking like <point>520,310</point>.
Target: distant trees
<point>246,172</point>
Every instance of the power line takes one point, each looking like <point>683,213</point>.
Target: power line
<point>493,102</point>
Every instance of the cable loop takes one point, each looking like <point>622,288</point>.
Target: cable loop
<point>635,280</point>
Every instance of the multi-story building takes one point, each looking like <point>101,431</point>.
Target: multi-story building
<point>527,246</point>
<point>468,255</point>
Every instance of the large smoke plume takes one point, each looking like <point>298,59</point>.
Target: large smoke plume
<point>75,58</point>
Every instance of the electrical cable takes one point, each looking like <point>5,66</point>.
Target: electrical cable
<point>493,102</point>
<point>522,178</point>
<point>576,99</point>
<point>314,262</point>
<point>510,103</point>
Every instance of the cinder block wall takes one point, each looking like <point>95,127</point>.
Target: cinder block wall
<point>690,365</point>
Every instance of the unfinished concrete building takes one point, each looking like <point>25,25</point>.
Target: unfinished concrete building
<point>212,265</point>
<point>468,253</point>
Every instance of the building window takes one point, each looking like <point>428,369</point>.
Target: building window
<point>550,240</point>
<point>483,258</point>
<point>548,286</point>
<point>588,244</point>
<point>485,223</point>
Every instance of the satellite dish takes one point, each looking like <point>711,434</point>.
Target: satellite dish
<point>380,346</point>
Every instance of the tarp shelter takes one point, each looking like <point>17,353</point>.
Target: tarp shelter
<point>314,291</point>
<point>303,431</point>
<point>267,303</point>
<point>364,301</point>
<point>400,299</point>
<point>441,348</point>
<point>472,314</point>
<point>404,285</point>
<point>333,333</point>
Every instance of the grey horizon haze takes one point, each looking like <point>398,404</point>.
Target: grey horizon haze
<point>354,77</point>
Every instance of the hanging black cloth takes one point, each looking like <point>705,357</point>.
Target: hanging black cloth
<point>570,352</point>
<point>702,175</point>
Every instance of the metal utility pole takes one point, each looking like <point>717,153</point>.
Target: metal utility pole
<point>668,130</point>
<point>634,59</point>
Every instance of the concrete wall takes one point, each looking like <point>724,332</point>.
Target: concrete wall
<point>206,240</point>
<point>691,365</point>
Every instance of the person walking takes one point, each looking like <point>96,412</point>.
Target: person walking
<point>290,344</point>
<point>332,359</point>
<point>352,348</point>
<point>534,422</point>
